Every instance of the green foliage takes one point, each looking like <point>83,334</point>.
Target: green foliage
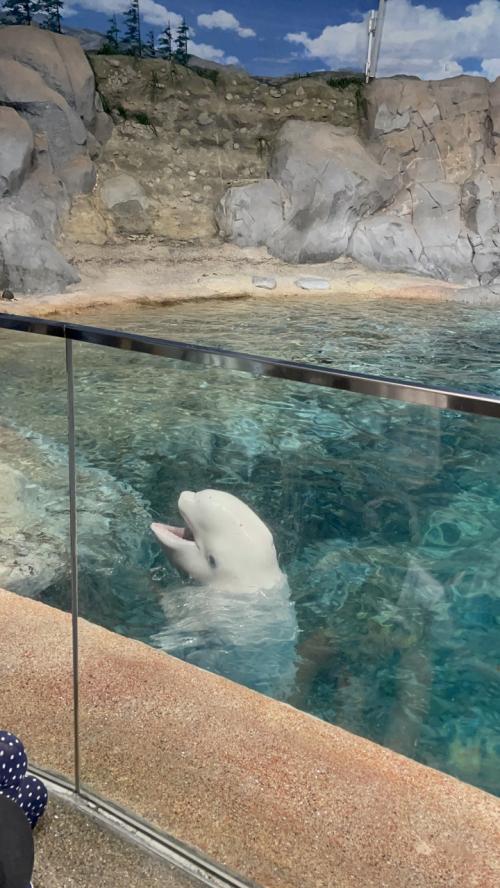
<point>143,118</point>
<point>344,82</point>
<point>132,38</point>
<point>181,44</point>
<point>52,10</point>
<point>354,82</point>
<point>150,48</point>
<point>165,44</point>
<point>20,11</point>
<point>208,73</point>
<point>112,44</point>
<point>106,49</point>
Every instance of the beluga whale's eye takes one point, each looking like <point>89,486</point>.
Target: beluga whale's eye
<point>212,562</point>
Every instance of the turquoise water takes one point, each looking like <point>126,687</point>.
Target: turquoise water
<point>386,516</point>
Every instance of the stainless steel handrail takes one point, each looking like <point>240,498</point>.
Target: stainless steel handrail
<point>278,368</point>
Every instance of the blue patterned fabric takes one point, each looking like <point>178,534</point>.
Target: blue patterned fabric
<point>26,791</point>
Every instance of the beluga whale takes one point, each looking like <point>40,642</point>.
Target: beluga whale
<point>238,620</point>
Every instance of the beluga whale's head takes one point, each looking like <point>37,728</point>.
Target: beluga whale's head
<point>224,544</point>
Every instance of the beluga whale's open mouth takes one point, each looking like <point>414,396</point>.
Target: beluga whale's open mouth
<point>172,536</point>
<point>164,532</point>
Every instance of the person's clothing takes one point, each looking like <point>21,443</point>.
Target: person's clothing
<point>16,846</point>
<point>26,791</point>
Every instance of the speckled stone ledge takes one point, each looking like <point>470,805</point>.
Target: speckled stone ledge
<point>272,793</point>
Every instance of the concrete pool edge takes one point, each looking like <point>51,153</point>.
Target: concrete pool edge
<point>270,792</point>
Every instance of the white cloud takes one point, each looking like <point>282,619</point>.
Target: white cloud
<point>211,53</point>
<point>108,7</point>
<point>491,68</point>
<point>151,12</point>
<point>158,15</point>
<point>224,20</point>
<point>69,11</point>
<point>416,40</point>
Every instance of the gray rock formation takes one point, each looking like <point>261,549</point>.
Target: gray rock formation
<point>421,195</point>
<point>16,140</point>
<point>28,262</point>
<point>45,199</point>
<point>25,565</point>
<point>183,166</point>
<point>79,175</point>
<point>45,110</point>
<point>126,199</point>
<point>50,127</point>
<point>102,125</point>
<point>431,130</point>
<point>122,189</point>
<point>442,139</point>
<point>58,60</point>
<point>421,232</point>
<point>34,514</point>
<point>322,181</point>
<point>250,215</point>
<point>481,211</point>
<point>329,180</point>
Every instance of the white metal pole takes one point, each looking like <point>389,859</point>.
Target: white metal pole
<point>372,27</point>
<point>377,40</point>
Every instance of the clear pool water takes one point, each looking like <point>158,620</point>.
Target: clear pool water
<point>386,516</point>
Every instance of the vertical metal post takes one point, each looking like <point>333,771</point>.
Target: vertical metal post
<point>73,554</point>
<point>375,28</point>
<point>377,39</point>
<point>372,27</point>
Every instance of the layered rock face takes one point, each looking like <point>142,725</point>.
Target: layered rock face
<point>50,124</point>
<point>420,193</point>
<point>183,135</point>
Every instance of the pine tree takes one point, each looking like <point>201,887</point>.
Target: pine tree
<point>132,39</point>
<point>112,36</point>
<point>150,45</point>
<point>181,44</point>
<point>52,10</point>
<point>165,43</point>
<point>21,11</point>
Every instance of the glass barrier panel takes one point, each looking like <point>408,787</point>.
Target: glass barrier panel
<point>36,660</point>
<point>377,611</point>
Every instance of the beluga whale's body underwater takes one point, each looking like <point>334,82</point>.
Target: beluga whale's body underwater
<point>239,621</point>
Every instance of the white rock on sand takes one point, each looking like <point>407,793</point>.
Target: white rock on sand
<point>265,283</point>
<point>312,283</point>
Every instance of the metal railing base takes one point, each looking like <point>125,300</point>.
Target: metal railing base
<point>141,834</point>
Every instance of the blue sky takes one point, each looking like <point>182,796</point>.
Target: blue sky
<point>289,35</point>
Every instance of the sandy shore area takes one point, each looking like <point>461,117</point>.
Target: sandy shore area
<point>145,271</point>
